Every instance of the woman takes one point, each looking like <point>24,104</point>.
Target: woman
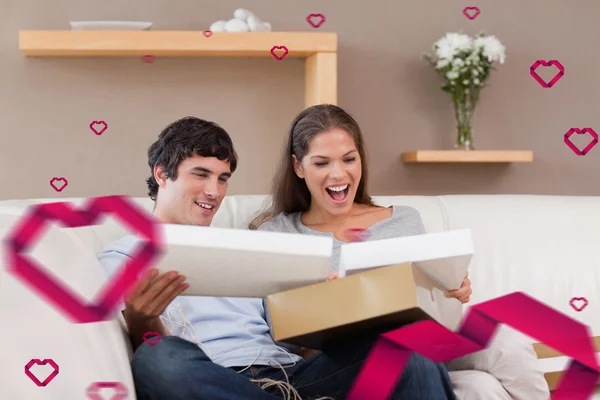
<point>321,189</point>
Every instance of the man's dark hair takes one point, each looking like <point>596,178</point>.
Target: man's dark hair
<point>181,140</point>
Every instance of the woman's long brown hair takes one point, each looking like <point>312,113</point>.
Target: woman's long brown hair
<point>290,193</point>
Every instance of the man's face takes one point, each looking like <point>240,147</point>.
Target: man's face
<point>195,196</point>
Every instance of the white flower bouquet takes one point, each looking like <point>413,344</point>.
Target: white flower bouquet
<point>465,64</point>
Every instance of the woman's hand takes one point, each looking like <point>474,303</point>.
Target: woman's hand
<point>464,293</point>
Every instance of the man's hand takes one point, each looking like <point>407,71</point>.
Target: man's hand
<point>464,293</point>
<point>148,300</point>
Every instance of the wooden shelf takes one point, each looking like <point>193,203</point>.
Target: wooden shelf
<point>318,48</point>
<point>470,156</point>
<point>172,43</point>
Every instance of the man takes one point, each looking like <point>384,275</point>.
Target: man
<point>221,348</point>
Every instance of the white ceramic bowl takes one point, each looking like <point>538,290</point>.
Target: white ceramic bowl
<point>109,25</point>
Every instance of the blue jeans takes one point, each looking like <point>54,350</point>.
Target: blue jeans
<point>176,369</point>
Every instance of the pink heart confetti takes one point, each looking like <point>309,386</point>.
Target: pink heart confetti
<point>120,390</point>
<point>148,59</point>
<point>357,234</point>
<point>41,362</point>
<point>154,335</point>
<point>207,33</point>
<point>98,123</point>
<point>581,303</point>
<point>583,131</point>
<point>471,12</point>
<point>285,52</point>
<point>319,18</point>
<point>538,63</point>
<point>59,188</point>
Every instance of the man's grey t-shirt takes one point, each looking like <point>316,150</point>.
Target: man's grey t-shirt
<point>235,332</point>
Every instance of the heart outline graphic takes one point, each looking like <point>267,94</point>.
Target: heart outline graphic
<point>466,12</point>
<point>207,33</point>
<point>41,362</point>
<point>311,16</point>
<point>583,131</point>
<point>60,179</point>
<point>556,63</point>
<point>30,228</point>
<point>149,341</point>
<point>389,355</point>
<point>147,59</point>
<point>279,48</point>
<point>574,299</point>
<point>99,123</point>
<point>357,234</point>
<point>120,389</point>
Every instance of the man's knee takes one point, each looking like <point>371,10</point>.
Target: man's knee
<point>165,360</point>
<point>423,367</point>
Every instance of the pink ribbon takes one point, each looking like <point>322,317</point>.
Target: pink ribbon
<point>383,367</point>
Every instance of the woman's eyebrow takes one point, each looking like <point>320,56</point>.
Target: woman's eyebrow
<point>351,151</point>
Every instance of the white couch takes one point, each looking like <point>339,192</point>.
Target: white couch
<point>542,245</point>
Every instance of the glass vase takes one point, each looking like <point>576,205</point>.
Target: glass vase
<point>464,105</point>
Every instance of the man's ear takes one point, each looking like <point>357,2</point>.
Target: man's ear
<point>160,175</point>
<point>298,167</point>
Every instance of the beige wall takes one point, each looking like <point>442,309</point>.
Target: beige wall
<point>47,104</point>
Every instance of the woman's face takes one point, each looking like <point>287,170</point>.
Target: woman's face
<point>332,171</point>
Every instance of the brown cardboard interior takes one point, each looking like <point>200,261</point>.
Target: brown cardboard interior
<point>374,301</point>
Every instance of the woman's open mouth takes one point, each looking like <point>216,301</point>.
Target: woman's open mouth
<point>338,194</point>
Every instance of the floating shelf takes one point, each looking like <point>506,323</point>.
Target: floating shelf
<point>470,156</point>
<point>318,48</point>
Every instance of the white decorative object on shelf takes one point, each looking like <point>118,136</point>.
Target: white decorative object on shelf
<point>242,21</point>
<point>109,25</point>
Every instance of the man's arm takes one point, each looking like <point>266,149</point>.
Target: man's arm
<point>149,298</point>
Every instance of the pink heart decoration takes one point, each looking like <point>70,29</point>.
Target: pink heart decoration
<point>207,33</point>
<point>41,362</point>
<point>155,335</point>
<point>357,234</point>
<point>121,391</point>
<point>61,187</point>
<point>581,132</point>
<point>148,59</point>
<point>93,127</point>
<point>30,227</point>
<point>578,308</point>
<point>319,17</point>
<point>535,65</point>
<point>279,48</point>
<point>467,10</point>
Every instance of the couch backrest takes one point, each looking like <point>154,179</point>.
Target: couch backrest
<point>543,245</point>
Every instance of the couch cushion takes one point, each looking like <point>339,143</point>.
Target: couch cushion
<point>542,245</point>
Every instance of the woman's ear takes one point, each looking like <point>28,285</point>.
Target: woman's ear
<point>298,167</point>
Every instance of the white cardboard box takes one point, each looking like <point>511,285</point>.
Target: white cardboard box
<point>443,256</point>
<point>224,262</point>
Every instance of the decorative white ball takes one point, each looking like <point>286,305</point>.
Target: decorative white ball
<point>218,26</point>
<point>242,14</point>
<point>235,25</point>
<point>267,25</point>
<point>256,25</point>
